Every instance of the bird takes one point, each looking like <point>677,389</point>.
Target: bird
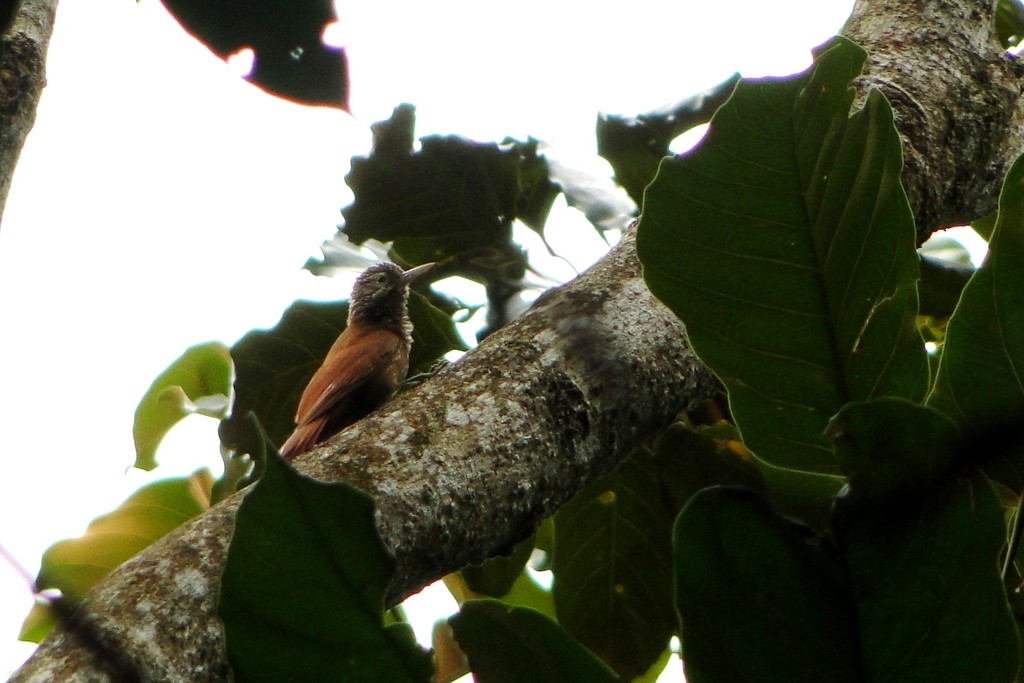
<point>367,362</point>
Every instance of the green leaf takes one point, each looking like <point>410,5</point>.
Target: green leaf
<point>761,598</point>
<point>634,146</point>
<point>613,567</point>
<point>290,60</point>
<point>302,597</point>
<point>689,460</point>
<point>888,447</point>
<point>197,382</point>
<point>980,381</point>
<point>984,226</point>
<point>930,601</point>
<point>517,644</point>
<point>536,193</point>
<point>525,592</point>
<point>714,456</point>
<point>785,243</point>
<point>433,334</point>
<point>75,565</point>
<point>941,285</point>
<point>495,576</point>
<point>272,367</point>
<point>1009,22</point>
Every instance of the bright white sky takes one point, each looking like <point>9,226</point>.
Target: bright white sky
<point>161,201</point>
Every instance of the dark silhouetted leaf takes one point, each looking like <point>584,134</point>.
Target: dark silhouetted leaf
<point>451,198</point>
<point>197,382</point>
<point>785,243</point>
<point>536,193</point>
<point>634,146</point>
<point>272,367</point>
<point>517,644</point>
<point>761,598</point>
<point>613,566</point>
<point>302,597</point>
<point>290,59</point>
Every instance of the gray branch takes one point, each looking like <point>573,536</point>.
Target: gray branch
<point>461,466</point>
<point>22,77</point>
<point>470,461</point>
<point>956,96</point>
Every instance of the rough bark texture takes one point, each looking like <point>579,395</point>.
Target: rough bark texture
<point>468,462</point>
<point>461,466</point>
<point>955,95</point>
<point>22,77</point>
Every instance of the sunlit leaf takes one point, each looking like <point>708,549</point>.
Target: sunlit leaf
<point>197,382</point>
<point>302,596</point>
<point>518,644</point>
<point>75,565</point>
<point>525,592</point>
<point>450,663</point>
<point>1009,23</point>
<point>785,243</point>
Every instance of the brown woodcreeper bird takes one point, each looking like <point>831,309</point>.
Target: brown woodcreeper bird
<point>365,365</point>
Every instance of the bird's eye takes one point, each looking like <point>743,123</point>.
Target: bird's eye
<point>382,278</point>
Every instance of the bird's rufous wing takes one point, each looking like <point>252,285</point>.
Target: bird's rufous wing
<point>352,360</point>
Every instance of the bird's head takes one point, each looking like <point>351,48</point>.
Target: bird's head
<point>381,292</point>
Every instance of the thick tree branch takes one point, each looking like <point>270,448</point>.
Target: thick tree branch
<point>22,77</point>
<point>467,463</point>
<point>956,96</point>
<point>461,467</point>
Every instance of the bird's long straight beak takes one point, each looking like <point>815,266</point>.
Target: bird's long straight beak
<point>413,273</point>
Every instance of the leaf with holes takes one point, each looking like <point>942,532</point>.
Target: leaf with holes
<point>290,59</point>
